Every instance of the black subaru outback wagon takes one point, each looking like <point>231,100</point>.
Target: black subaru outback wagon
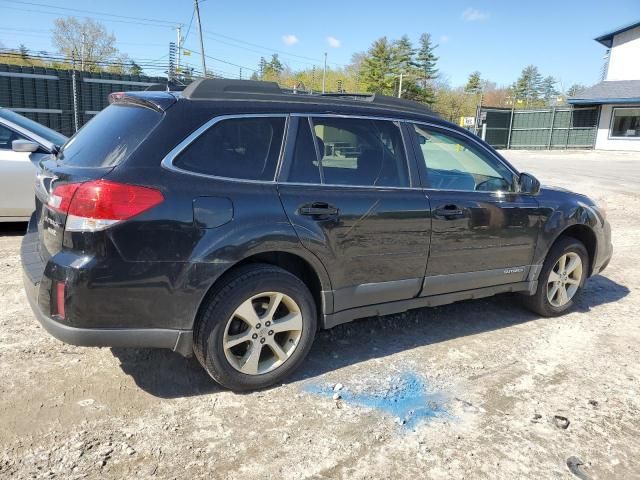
<point>234,220</point>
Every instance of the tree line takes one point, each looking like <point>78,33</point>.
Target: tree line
<point>380,68</point>
<point>390,67</point>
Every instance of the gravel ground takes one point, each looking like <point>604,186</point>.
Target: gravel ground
<point>479,389</point>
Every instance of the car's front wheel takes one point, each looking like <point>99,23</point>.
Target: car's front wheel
<point>561,279</point>
<point>256,328</point>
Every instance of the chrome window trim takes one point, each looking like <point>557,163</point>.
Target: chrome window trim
<point>335,185</point>
<point>167,161</point>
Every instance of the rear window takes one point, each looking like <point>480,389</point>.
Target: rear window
<point>245,148</point>
<point>110,137</point>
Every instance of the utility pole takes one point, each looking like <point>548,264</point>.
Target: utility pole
<point>84,36</point>
<point>204,63</point>
<point>74,91</point>
<point>313,77</point>
<point>171,73</point>
<point>324,73</point>
<point>400,87</point>
<point>179,48</point>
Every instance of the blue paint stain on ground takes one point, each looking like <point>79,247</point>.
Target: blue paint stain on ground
<point>406,398</point>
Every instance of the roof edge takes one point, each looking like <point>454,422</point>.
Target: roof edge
<point>606,39</point>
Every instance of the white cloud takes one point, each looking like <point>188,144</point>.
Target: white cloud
<point>473,15</point>
<point>443,39</point>
<point>333,42</point>
<point>290,39</point>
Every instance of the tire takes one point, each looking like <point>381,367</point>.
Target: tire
<point>540,301</point>
<point>252,306</point>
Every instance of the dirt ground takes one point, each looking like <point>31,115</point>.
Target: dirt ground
<point>479,389</point>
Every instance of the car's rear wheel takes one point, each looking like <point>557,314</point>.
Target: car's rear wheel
<point>256,328</point>
<point>561,279</point>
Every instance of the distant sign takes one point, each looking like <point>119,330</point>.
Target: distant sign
<point>468,121</point>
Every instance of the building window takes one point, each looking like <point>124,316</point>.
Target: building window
<point>625,123</point>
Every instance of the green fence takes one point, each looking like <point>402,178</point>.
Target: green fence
<point>551,128</point>
<point>63,100</point>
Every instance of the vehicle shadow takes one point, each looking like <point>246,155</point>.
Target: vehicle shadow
<point>13,229</point>
<point>168,375</point>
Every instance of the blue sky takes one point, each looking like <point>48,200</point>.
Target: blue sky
<point>498,38</point>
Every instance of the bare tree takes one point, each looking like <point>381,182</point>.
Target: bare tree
<point>86,42</point>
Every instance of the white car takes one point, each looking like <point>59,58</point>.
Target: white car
<point>23,143</point>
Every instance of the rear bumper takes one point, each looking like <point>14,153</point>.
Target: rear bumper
<point>177,340</point>
<point>180,341</point>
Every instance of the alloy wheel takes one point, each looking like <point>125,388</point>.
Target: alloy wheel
<point>262,333</point>
<point>564,279</point>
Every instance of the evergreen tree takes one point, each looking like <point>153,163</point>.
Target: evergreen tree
<point>403,55</point>
<point>426,58</point>
<point>272,69</point>
<point>262,65</point>
<point>135,69</point>
<point>548,89</point>
<point>474,84</point>
<point>377,70</point>
<point>528,88</point>
<point>426,71</point>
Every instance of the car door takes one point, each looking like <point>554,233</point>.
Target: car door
<point>17,177</point>
<point>353,198</point>
<point>483,232</point>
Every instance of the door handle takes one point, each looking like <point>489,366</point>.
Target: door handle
<point>318,209</point>
<point>449,212</point>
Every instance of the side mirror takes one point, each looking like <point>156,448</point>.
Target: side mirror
<point>24,146</point>
<point>527,183</point>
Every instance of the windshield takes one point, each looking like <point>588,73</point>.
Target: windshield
<point>110,137</point>
<point>34,127</point>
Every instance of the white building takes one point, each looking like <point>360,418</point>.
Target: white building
<point>619,93</point>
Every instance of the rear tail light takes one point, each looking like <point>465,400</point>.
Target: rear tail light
<point>98,204</point>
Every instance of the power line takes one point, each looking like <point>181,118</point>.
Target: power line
<point>270,50</point>
<point>152,65</point>
<point>93,12</point>
<point>189,27</point>
<point>146,24</point>
<point>222,61</point>
<point>63,59</point>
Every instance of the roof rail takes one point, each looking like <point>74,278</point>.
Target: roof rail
<point>214,87</point>
<point>165,87</point>
<point>378,99</point>
<point>211,88</point>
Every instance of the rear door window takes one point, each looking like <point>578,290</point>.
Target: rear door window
<point>358,151</point>
<point>110,137</point>
<point>245,148</point>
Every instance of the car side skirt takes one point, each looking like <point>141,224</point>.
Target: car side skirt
<point>388,308</point>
